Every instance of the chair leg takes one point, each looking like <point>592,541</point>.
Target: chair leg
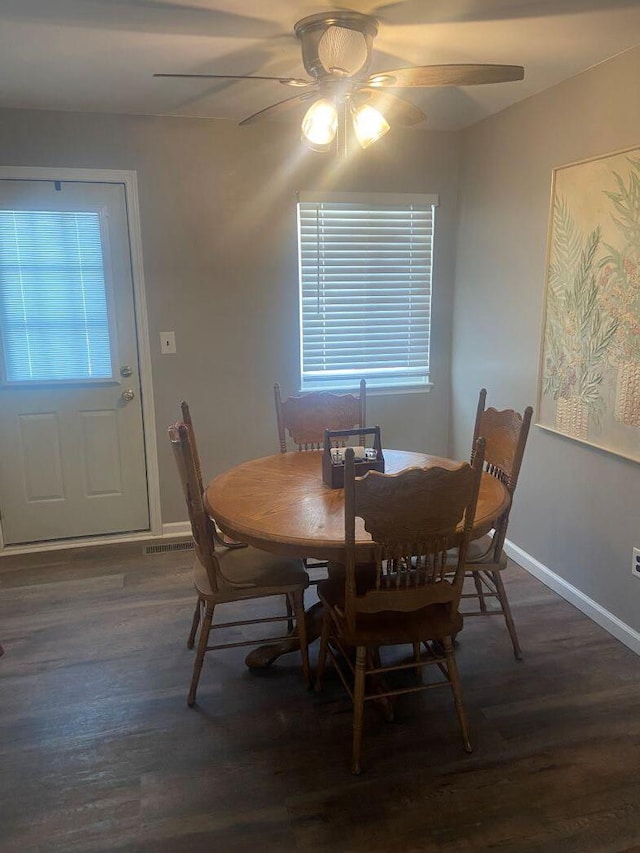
<point>324,648</point>
<point>358,707</point>
<point>301,627</point>
<point>454,679</point>
<point>194,624</point>
<point>202,648</point>
<point>416,657</point>
<point>378,685</point>
<point>480,592</point>
<point>506,609</point>
<point>290,610</point>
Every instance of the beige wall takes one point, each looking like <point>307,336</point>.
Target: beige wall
<point>218,222</point>
<point>577,509</point>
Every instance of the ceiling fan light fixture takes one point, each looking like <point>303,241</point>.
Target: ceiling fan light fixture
<point>336,50</point>
<point>369,125</point>
<point>336,43</point>
<point>342,51</point>
<point>320,124</point>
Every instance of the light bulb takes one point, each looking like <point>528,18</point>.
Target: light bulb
<point>369,124</point>
<point>320,124</point>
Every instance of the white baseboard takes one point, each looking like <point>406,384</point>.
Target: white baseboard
<point>619,629</point>
<point>175,529</point>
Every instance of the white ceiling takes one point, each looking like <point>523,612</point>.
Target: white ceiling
<point>99,55</point>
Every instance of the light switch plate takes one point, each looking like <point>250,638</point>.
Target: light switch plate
<point>167,343</point>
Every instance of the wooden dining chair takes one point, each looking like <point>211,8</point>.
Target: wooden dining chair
<point>413,517</point>
<point>226,575</point>
<point>306,416</point>
<point>219,538</point>
<point>505,433</point>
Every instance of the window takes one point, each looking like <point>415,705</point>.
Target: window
<point>365,289</point>
<point>53,304</point>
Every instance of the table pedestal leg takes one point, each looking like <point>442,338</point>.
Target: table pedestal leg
<point>264,656</point>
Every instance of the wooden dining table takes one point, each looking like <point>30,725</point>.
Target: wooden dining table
<point>280,503</point>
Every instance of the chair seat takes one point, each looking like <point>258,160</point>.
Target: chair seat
<point>480,557</point>
<point>479,547</point>
<point>391,627</point>
<point>250,572</point>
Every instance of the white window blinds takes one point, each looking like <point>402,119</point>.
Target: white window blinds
<point>365,289</point>
<point>53,304</point>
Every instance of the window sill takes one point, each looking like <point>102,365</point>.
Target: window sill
<point>388,392</point>
<point>375,392</point>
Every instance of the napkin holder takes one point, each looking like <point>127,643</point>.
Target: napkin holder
<point>333,470</point>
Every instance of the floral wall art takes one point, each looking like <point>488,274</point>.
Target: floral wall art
<point>589,383</point>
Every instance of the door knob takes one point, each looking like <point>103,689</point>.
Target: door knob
<point>128,394</point>
<point>125,370</point>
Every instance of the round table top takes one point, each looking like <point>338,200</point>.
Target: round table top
<point>279,503</point>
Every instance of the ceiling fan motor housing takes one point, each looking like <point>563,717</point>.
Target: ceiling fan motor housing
<point>337,44</point>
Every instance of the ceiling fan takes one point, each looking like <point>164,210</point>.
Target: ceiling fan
<point>336,51</point>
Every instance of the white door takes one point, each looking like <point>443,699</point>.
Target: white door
<point>72,460</point>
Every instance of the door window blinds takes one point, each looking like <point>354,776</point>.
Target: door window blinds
<point>365,290</point>
<point>53,304</point>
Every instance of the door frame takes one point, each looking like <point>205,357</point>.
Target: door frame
<point>130,182</point>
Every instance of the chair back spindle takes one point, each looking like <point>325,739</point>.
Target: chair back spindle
<point>201,524</point>
<point>186,420</point>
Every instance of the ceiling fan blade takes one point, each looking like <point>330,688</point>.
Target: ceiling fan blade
<point>274,109</point>
<point>396,110</point>
<point>445,75</point>
<point>298,82</point>
<point>146,16</point>
<point>403,13</point>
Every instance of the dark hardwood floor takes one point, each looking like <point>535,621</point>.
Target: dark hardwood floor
<point>99,751</point>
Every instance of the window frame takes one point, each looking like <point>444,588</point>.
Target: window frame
<point>377,385</point>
